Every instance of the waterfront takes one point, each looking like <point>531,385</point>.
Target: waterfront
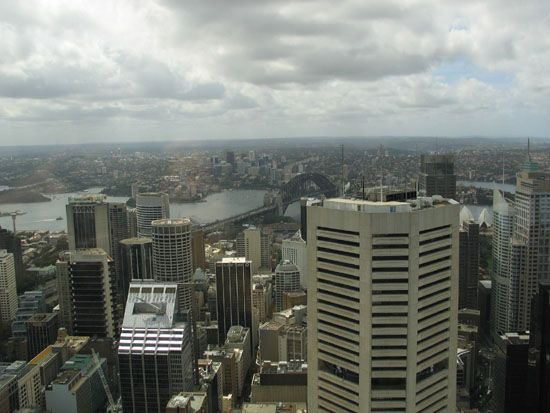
<point>42,215</point>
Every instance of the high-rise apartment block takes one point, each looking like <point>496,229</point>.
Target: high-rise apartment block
<point>287,279</point>
<point>87,293</point>
<point>172,256</point>
<point>294,250</point>
<point>151,206</point>
<point>437,175</point>
<point>382,305</point>
<point>8,288</point>
<point>468,268</point>
<point>255,246</point>
<point>234,290</point>
<point>155,353</point>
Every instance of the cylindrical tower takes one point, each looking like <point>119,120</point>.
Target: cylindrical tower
<point>287,279</point>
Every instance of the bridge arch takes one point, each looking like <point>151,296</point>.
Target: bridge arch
<point>306,184</point>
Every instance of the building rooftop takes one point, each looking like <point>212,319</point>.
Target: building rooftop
<point>40,318</point>
<point>361,205</point>
<point>88,199</point>
<point>516,338</point>
<point>136,241</point>
<point>235,260</point>
<point>150,305</point>
<point>171,221</point>
<point>187,400</point>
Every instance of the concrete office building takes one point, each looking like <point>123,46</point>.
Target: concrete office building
<point>30,303</point>
<point>172,256</point>
<point>87,293</point>
<point>78,387</point>
<point>262,300</point>
<point>294,249</point>
<point>151,206</point>
<point>41,332</point>
<point>468,267</point>
<point>197,241</point>
<point>20,387</point>
<point>437,175</point>
<point>8,288</point>
<point>239,337</point>
<point>234,295</point>
<point>382,305</point>
<point>287,279</point>
<point>155,353</point>
<point>132,223</point>
<point>284,338</point>
<point>280,382</point>
<point>210,374</point>
<point>137,262</point>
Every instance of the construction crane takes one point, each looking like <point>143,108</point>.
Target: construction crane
<point>112,406</point>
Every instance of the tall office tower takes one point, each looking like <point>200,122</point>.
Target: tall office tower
<point>230,157</point>
<point>92,222</point>
<point>287,279</point>
<point>255,246</point>
<point>503,227</point>
<point>304,204</point>
<point>8,288</point>
<point>172,256</point>
<point>41,332</point>
<point>234,288</point>
<point>136,262</point>
<point>87,293</point>
<point>151,206</point>
<point>262,300</point>
<point>197,241</point>
<point>12,243</point>
<point>530,243</point>
<point>155,351</point>
<point>468,267</point>
<point>382,305</point>
<point>539,351</point>
<point>437,175</point>
<point>294,249</point>
<point>132,223</point>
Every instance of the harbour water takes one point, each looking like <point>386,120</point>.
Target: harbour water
<point>43,215</point>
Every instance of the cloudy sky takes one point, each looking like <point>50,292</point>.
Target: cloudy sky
<point>86,71</point>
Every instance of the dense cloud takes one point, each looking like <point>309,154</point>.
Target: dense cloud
<point>181,69</point>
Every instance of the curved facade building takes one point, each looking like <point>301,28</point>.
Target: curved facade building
<point>172,255</point>
<point>150,206</point>
<point>287,280</point>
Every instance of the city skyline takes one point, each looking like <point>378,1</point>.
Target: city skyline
<point>164,70</point>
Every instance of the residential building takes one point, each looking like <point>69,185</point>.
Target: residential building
<point>8,288</point>
<point>155,352</point>
<point>234,295</point>
<point>294,250</point>
<point>382,305</point>
<point>150,206</point>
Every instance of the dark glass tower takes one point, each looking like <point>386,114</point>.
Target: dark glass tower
<point>234,289</point>
<point>437,175</point>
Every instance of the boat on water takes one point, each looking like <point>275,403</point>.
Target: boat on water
<point>59,219</point>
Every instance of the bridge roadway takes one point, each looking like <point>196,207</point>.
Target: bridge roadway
<point>220,224</point>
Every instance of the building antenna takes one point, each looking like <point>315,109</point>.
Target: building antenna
<point>503,167</point>
<point>528,150</point>
<point>381,188</point>
<point>342,161</point>
<point>363,185</point>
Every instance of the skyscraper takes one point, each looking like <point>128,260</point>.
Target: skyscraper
<point>197,239</point>
<point>12,243</point>
<point>234,289</point>
<point>87,293</point>
<point>382,305</point>
<point>503,227</point>
<point>155,350</point>
<point>287,279</point>
<point>539,351</point>
<point>437,176</point>
<point>294,249</point>
<point>136,262</point>
<point>41,332</point>
<point>255,246</point>
<point>92,222</point>
<point>530,243</point>
<point>8,288</point>
<point>172,256</point>
<point>151,206</point>
<point>468,268</point>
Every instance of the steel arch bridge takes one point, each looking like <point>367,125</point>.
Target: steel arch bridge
<point>306,184</point>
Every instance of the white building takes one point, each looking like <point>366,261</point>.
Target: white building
<point>294,249</point>
<point>8,288</point>
<point>150,206</point>
<point>382,305</point>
